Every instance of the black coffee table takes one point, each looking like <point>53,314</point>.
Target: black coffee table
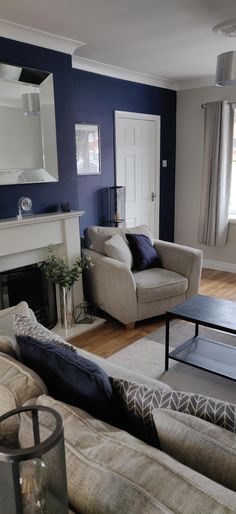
<point>218,358</point>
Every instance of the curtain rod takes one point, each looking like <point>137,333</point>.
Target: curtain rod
<point>203,106</point>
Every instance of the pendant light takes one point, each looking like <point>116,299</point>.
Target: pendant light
<point>30,103</point>
<point>226,69</point>
<point>226,62</point>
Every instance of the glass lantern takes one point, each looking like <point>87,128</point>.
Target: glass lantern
<point>84,313</point>
<point>33,477</point>
<point>113,206</point>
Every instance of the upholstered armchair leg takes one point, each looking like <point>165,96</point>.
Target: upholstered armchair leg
<point>129,326</point>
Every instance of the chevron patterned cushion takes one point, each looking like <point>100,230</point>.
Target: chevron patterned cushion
<point>23,326</point>
<point>140,400</point>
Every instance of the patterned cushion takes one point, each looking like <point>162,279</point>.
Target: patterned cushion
<point>117,248</point>
<point>140,400</point>
<point>23,326</point>
<point>6,317</point>
<point>207,448</point>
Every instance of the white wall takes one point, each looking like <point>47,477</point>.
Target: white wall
<point>189,160</point>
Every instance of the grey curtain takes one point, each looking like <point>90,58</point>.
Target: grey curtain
<point>217,165</point>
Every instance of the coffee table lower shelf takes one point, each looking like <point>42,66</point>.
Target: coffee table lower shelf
<point>212,356</point>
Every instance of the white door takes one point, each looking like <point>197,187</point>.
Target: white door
<point>138,167</point>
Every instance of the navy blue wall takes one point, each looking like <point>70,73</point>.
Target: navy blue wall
<point>96,97</point>
<point>83,96</point>
<point>46,196</point>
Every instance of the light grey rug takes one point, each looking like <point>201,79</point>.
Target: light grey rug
<point>147,356</point>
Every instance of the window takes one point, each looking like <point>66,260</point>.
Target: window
<point>232,202</point>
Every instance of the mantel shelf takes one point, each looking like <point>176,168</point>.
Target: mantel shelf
<point>39,218</point>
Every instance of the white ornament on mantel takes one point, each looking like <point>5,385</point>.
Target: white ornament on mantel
<point>24,242</point>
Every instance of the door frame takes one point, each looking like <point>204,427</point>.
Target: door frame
<point>157,120</point>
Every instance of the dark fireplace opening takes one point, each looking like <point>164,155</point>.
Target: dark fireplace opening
<point>31,285</point>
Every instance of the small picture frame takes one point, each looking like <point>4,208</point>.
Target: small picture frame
<point>88,159</point>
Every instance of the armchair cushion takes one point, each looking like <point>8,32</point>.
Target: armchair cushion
<point>96,236</point>
<point>144,254</point>
<point>158,283</point>
<point>117,248</point>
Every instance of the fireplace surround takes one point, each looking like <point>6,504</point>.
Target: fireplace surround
<point>25,242</point>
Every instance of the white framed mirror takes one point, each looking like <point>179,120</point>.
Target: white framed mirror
<point>28,146</point>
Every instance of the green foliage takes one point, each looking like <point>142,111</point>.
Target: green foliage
<point>58,270</point>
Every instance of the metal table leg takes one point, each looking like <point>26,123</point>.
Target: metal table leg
<point>167,343</point>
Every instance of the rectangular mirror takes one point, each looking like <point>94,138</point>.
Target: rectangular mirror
<point>28,147</point>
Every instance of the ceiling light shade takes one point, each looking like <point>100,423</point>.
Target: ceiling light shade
<point>226,28</point>
<point>226,69</point>
<point>30,103</point>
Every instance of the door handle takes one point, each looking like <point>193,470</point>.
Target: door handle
<point>153,196</point>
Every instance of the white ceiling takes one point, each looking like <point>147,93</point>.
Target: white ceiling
<point>172,39</point>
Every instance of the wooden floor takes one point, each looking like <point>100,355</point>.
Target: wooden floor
<point>112,336</point>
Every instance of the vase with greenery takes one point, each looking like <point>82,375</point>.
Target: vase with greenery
<point>65,276</point>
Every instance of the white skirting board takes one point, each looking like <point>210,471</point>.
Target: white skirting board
<point>219,265</point>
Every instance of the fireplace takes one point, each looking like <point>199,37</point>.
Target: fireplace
<point>25,242</point>
<point>30,284</point>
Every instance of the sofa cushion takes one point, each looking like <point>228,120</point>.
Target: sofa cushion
<point>144,254</point>
<point>6,346</point>
<point>120,372</point>
<point>17,385</point>
<point>110,471</point>
<point>23,326</point>
<point>202,446</point>
<point>141,400</point>
<point>70,377</point>
<point>157,283</point>
<point>117,248</point>
<point>96,236</point>
<point>6,317</point>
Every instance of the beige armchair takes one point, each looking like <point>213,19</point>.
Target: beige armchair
<point>129,295</point>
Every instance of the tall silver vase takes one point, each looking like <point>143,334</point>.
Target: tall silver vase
<point>67,307</point>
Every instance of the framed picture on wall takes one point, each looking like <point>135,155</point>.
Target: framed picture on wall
<point>88,158</point>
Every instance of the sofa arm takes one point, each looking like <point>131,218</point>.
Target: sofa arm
<point>110,284</point>
<point>182,259</point>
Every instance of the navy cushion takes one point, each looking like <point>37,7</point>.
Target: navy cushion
<point>71,378</point>
<point>144,254</point>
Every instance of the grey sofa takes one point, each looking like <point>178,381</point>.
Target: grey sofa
<point>108,470</point>
<point>130,295</point>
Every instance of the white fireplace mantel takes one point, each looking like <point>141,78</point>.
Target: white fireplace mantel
<point>26,241</point>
